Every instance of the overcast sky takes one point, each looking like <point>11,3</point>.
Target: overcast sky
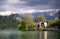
<point>23,6</point>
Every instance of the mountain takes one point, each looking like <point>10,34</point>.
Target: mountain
<point>48,15</point>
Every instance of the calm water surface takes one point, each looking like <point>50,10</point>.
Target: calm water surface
<point>29,35</point>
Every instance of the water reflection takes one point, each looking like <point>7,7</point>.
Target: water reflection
<point>45,34</point>
<point>13,36</point>
<point>29,35</point>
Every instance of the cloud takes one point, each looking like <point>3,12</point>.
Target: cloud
<point>28,11</point>
<point>33,10</point>
<point>52,3</point>
<point>28,5</point>
<point>7,13</point>
<point>12,1</point>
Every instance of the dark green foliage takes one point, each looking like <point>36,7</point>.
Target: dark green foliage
<point>59,15</point>
<point>58,24</point>
<point>7,22</point>
<point>23,25</point>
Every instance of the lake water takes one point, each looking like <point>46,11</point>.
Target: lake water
<point>29,34</point>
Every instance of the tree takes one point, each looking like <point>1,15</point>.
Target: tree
<point>59,15</point>
<point>23,25</point>
<point>29,18</point>
<point>8,22</point>
<point>58,22</point>
<point>41,18</point>
<point>33,26</point>
<point>55,23</point>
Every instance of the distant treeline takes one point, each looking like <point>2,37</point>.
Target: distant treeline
<point>8,22</point>
<point>16,22</point>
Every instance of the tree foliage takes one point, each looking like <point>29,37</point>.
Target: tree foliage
<point>7,22</point>
<point>42,18</point>
<point>59,14</point>
<point>23,25</point>
<point>29,18</point>
<point>28,23</point>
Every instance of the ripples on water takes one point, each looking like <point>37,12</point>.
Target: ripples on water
<point>29,35</point>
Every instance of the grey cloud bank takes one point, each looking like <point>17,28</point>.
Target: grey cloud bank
<point>25,5</point>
